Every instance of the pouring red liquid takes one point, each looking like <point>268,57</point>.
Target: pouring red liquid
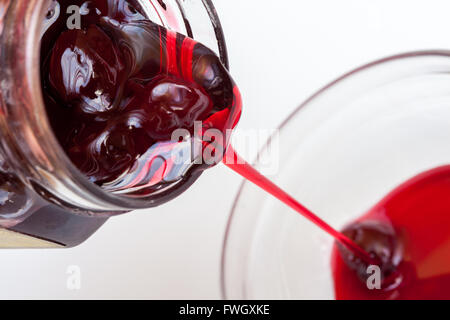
<point>117,88</point>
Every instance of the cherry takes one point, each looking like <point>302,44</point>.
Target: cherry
<point>87,70</point>
<point>123,10</point>
<point>170,104</point>
<point>383,245</point>
<point>141,43</point>
<point>104,155</point>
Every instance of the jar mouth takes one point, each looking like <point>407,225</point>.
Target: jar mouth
<point>36,152</point>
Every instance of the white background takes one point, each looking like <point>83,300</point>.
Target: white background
<point>281,52</point>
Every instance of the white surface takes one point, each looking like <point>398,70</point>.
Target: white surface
<point>280,52</point>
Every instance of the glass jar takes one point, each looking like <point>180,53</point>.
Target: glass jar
<point>44,200</point>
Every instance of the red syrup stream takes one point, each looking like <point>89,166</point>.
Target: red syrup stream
<point>244,169</point>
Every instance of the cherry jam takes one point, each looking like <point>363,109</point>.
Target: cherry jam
<point>118,87</point>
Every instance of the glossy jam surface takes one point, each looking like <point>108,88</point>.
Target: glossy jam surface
<point>409,230</point>
<point>117,88</point>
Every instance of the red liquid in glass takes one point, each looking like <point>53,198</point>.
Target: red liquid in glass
<point>419,211</point>
<point>407,234</point>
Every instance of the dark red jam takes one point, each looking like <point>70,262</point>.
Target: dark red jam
<point>118,87</point>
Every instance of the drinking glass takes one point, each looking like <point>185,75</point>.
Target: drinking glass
<point>340,152</point>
